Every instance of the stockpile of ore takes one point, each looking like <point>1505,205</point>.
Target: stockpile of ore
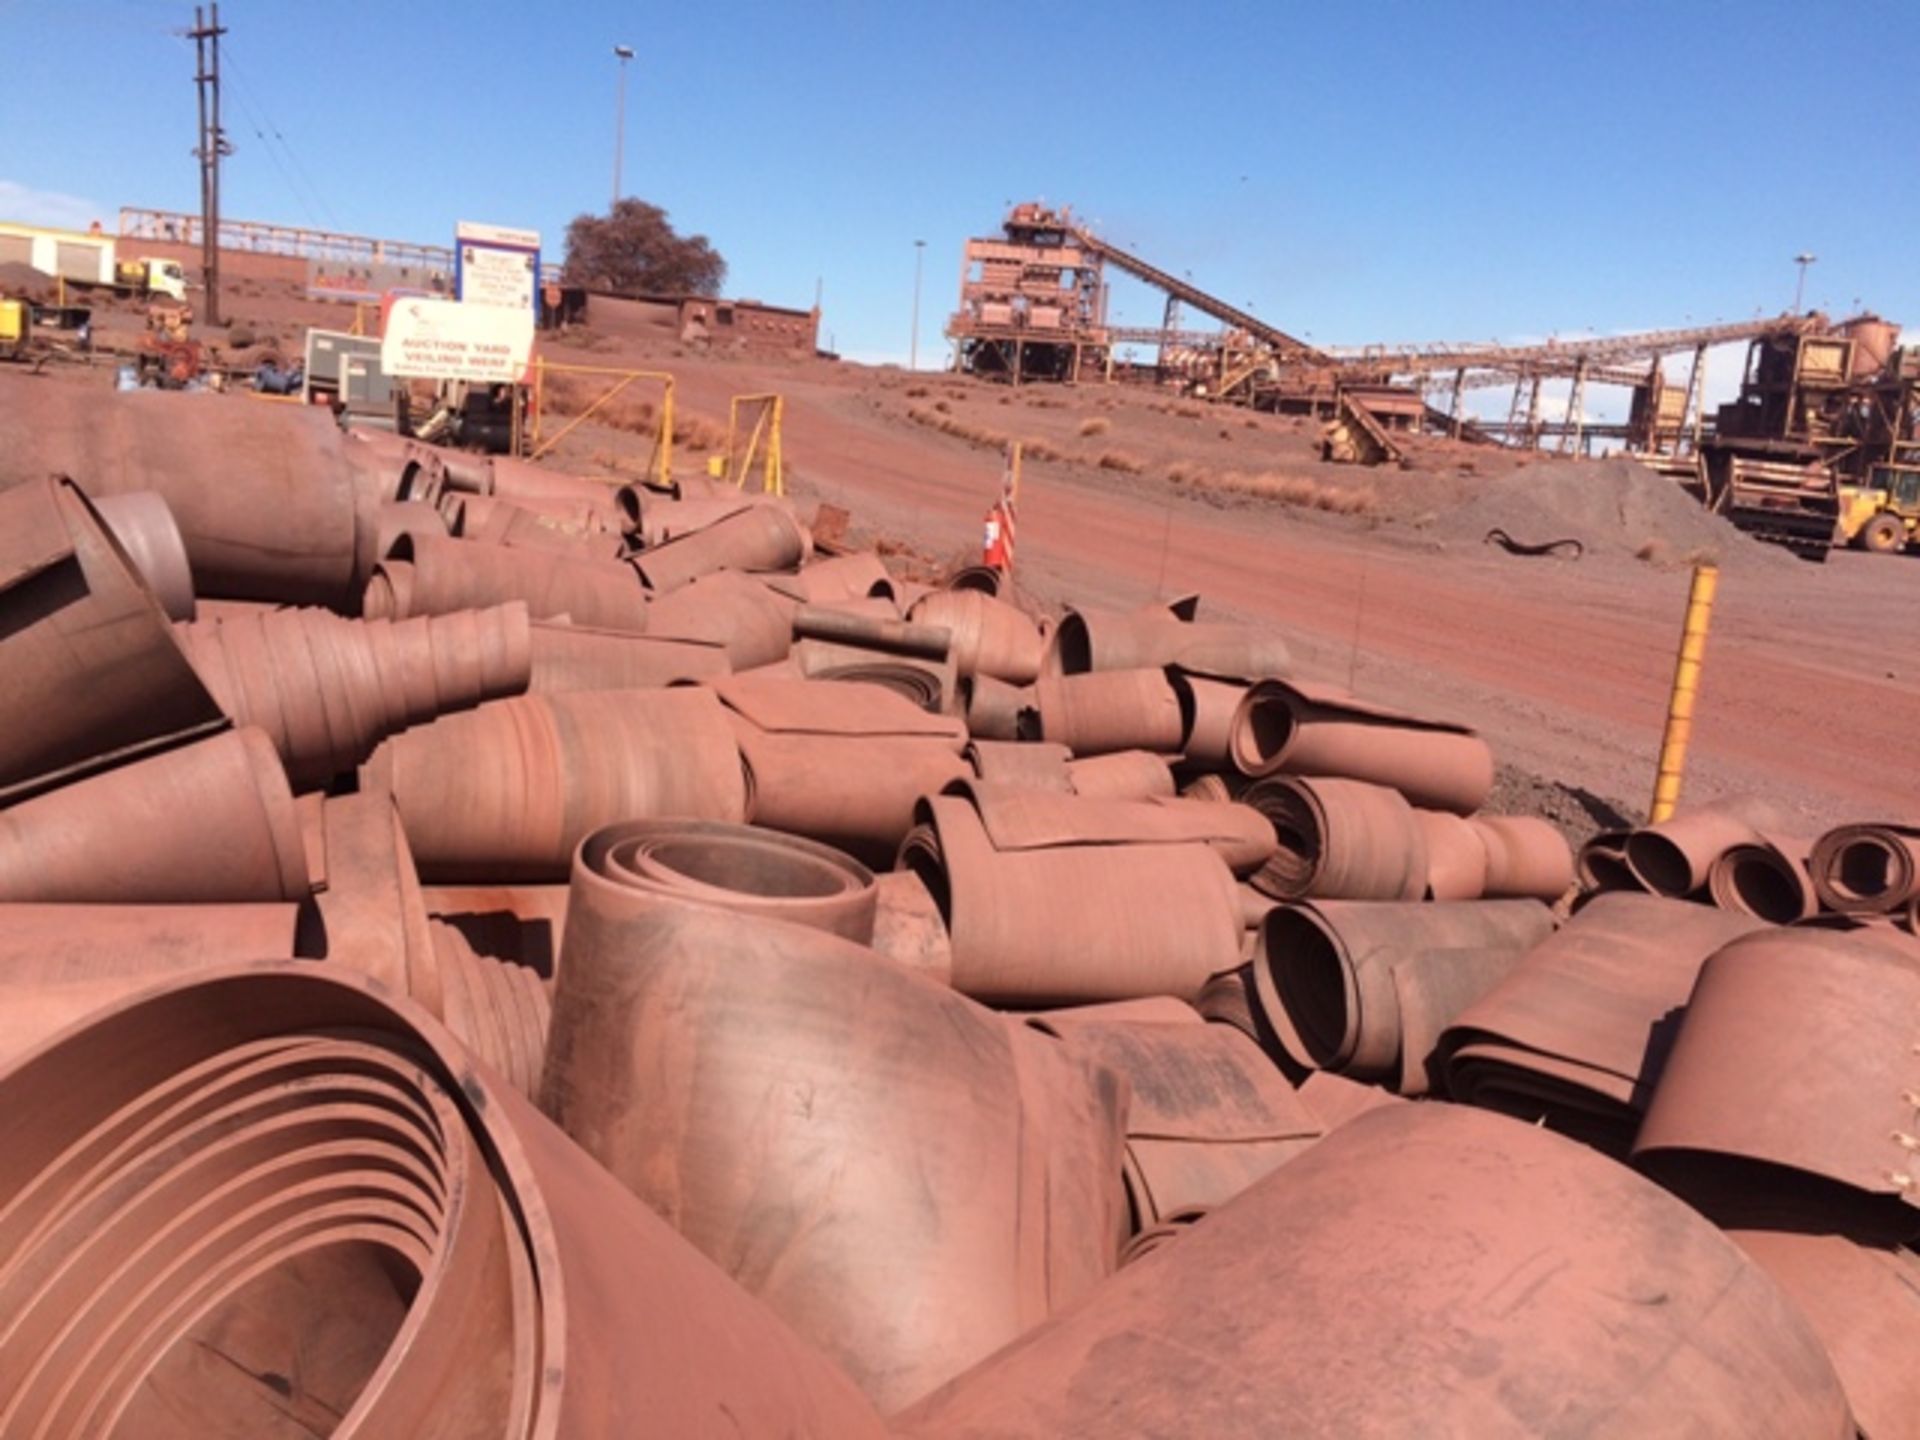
<point>489,956</point>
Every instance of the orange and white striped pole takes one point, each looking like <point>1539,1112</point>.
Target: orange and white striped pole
<point>998,542</point>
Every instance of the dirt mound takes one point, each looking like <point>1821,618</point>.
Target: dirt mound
<point>1614,507</point>
<point>1577,813</point>
<point>23,281</point>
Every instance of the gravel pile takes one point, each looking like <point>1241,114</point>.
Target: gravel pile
<point>1614,507</point>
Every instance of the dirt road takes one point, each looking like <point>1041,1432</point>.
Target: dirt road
<point>1808,694</point>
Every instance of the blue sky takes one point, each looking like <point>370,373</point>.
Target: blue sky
<point>1356,172</point>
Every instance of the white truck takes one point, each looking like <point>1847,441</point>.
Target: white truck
<point>81,258</point>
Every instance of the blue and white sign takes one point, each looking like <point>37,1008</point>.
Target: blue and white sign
<point>495,265</point>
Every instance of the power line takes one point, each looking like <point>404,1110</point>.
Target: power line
<point>260,127</point>
<point>300,186</point>
<point>243,86</point>
<point>257,125</point>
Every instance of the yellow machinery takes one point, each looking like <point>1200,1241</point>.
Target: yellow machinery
<point>16,328</point>
<point>1884,514</point>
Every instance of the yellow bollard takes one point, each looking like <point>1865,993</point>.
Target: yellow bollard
<point>1686,688</point>
<point>665,447</point>
<point>539,397</point>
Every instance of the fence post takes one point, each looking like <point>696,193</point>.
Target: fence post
<point>776,465</point>
<point>666,436</point>
<point>539,396</point>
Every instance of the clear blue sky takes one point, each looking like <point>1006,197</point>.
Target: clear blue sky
<point>1357,172</point>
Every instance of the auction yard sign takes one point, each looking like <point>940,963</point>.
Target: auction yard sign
<point>495,265</point>
<point>449,340</point>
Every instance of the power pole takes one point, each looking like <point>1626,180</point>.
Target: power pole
<point>913,354</point>
<point>206,34</point>
<point>623,53</point>
<point>1803,260</point>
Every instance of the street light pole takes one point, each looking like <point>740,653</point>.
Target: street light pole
<point>913,354</point>
<point>625,53</point>
<point>1803,260</point>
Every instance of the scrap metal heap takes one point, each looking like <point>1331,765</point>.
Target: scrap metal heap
<point>487,955</point>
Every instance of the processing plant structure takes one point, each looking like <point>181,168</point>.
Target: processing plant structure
<point>1034,307</point>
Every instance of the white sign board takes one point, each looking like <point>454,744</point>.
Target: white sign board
<point>497,235</point>
<point>497,265</point>
<point>448,340</point>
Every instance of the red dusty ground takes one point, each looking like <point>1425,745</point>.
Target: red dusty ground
<point>1566,667</point>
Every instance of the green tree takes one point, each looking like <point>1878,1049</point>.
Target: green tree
<point>634,249</point>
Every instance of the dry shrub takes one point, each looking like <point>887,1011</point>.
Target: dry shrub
<point>1249,424</point>
<point>1094,425</point>
<point>1120,460</point>
<point>917,392</point>
<point>696,432</point>
<point>615,463</point>
<point>1189,412</point>
<point>959,429</point>
<point>1226,434</point>
<point>1006,399</point>
<point>943,407</point>
<point>1347,500</point>
<point>1039,450</point>
<point>577,337</point>
<point>1296,490</point>
<point>567,395</point>
<point>1043,402</point>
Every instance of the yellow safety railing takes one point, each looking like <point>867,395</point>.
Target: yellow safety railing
<point>1686,689</point>
<point>662,462</point>
<point>763,440</point>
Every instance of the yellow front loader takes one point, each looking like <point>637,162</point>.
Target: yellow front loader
<point>1882,515</point>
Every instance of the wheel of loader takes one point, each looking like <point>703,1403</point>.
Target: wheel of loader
<point>1883,535</point>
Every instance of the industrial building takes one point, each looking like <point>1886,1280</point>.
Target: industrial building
<point>1033,307</point>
